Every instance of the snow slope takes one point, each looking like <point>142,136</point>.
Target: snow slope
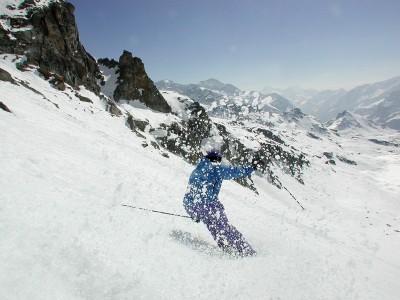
<point>64,173</point>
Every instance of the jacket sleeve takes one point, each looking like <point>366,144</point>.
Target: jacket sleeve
<point>232,172</point>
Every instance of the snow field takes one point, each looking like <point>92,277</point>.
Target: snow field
<point>64,174</point>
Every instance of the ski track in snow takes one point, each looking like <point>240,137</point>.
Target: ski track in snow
<point>64,174</point>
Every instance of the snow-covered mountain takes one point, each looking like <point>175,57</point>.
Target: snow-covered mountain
<point>297,95</point>
<point>379,102</point>
<point>347,121</point>
<point>225,100</point>
<point>73,151</point>
<point>215,85</point>
<point>324,104</point>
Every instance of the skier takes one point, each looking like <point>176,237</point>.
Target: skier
<point>202,204</point>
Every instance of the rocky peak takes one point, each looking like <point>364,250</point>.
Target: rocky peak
<point>47,34</point>
<point>344,120</point>
<point>214,84</point>
<point>344,114</point>
<point>134,84</point>
<point>109,63</point>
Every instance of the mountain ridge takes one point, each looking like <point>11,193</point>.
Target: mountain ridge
<point>71,155</point>
<point>379,101</point>
<point>217,97</point>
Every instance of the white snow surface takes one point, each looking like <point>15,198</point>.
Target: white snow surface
<point>110,80</point>
<point>64,173</point>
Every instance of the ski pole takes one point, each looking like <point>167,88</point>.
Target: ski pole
<point>294,197</point>
<point>257,158</point>
<point>156,211</point>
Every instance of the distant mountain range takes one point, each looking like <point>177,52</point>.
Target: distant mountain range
<point>297,95</point>
<point>349,121</point>
<point>227,101</point>
<point>379,102</point>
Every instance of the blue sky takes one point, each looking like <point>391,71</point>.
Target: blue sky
<point>317,44</point>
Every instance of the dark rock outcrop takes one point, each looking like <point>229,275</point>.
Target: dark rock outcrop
<point>109,63</point>
<point>5,76</point>
<point>4,107</point>
<point>113,108</point>
<point>346,160</point>
<point>134,84</point>
<point>294,115</point>
<point>384,143</point>
<point>184,138</point>
<point>51,42</point>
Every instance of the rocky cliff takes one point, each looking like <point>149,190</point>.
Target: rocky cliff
<point>134,84</point>
<point>47,35</point>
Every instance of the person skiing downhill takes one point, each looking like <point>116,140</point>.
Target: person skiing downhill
<point>202,204</point>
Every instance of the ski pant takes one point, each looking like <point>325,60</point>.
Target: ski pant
<point>214,217</point>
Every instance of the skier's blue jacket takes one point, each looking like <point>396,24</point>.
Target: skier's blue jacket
<point>206,180</point>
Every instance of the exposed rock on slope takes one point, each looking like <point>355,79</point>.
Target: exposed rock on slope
<point>226,101</point>
<point>134,84</point>
<point>48,36</point>
<point>189,136</point>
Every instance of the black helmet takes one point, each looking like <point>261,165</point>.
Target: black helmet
<point>214,155</point>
